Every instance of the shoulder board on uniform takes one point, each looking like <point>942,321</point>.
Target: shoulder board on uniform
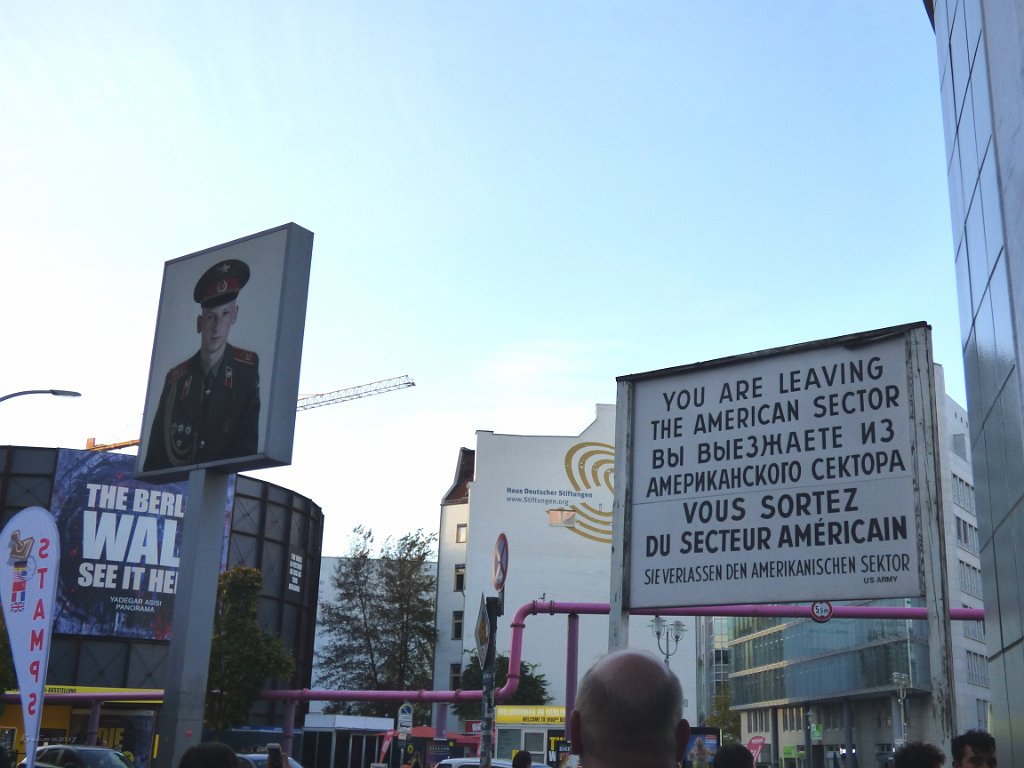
<point>244,356</point>
<point>178,371</point>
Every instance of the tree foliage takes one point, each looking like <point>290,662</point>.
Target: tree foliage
<point>242,656</point>
<point>532,690</point>
<point>8,679</point>
<point>723,717</point>
<point>380,627</point>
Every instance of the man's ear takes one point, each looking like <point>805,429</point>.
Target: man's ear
<point>576,733</point>
<point>199,323</point>
<point>682,738</point>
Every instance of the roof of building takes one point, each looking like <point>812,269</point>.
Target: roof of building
<point>464,469</point>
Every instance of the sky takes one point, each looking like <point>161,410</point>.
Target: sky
<point>513,203</point>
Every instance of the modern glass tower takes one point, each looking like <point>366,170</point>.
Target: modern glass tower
<point>865,685</point>
<point>980,46</point>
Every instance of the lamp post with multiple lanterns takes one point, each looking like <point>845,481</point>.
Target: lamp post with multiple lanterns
<point>901,680</point>
<point>670,633</point>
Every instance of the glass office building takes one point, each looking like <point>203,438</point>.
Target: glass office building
<point>980,49</point>
<point>838,686</point>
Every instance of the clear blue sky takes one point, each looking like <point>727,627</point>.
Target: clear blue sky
<point>513,203</point>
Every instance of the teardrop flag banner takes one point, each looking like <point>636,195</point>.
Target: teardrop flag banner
<point>28,586</point>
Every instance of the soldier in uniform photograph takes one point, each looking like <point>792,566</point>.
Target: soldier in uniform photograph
<point>210,405</point>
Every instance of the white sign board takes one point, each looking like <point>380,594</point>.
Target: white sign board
<point>775,477</point>
<point>405,718</point>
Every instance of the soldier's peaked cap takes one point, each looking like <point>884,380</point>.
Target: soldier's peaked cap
<point>221,283</point>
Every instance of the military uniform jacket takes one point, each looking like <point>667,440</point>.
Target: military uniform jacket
<point>203,418</point>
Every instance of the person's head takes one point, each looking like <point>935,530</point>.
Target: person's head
<point>215,293</point>
<point>918,754</point>
<point>734,756</point>
<point>522,759</point>
<point>214,325</point>
<point>209,754</point>
<point>974,749</point>
<point>629,712</point>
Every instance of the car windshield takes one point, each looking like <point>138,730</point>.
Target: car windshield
<point>103,759</point>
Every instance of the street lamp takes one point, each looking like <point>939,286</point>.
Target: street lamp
<point>672,634</point>
<point>901,680</point>
<point>55,392</point>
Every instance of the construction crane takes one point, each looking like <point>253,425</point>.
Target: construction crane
<point>304,403</point>
<point>353,393</point>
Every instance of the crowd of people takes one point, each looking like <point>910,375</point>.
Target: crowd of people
<point>629,714</point>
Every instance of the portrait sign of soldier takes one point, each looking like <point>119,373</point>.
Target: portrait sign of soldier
<point>230,405</point>
<point>209,408</point>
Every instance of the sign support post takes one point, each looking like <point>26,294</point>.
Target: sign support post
<point>487,719</point>
<point>188,659</point>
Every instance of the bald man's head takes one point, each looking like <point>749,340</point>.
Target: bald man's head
<point>629,712</point>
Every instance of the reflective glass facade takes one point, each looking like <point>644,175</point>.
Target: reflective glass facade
<point>780,661</point>
<point>981,75</point>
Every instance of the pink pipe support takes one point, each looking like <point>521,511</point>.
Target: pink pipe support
<point>518,626</point>
<point>552,608</point>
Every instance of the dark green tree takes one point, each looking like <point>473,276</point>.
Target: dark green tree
<point>532,690</point>
<point>723,717</point>
<point>8,679</point>
<point>380,628</point>
<point>242,656</point>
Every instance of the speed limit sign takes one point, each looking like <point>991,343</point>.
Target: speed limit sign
<point>821,611</point>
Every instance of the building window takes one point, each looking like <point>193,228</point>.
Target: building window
<point>970,579</point>
<point>977,668</point>
<point>455,676</point>
<point>960,445</point>
<point>966,535</point>
<point>974,629</point>
<point>963,492</point>
<point>460,577</point>
<point>982,705</point>
<point>460,533</point>
<point>833,716</point>
<point>456,625</point>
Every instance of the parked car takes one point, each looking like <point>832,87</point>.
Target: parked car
<point>78,756</point>
<point>471,762</point>
<point>259,760</point>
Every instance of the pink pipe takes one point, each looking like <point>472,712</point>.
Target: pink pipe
<point>308,694</point>
<point>550,607</point>
<point>515,654</point>
<point>794,611</point>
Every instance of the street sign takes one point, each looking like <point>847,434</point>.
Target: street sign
<point>499,565</point>
<point>405,719</point>
<point>483,632</point>
<point>821,611</point>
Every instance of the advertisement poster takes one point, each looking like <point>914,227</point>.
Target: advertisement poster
<point>120,566</point>
<point>27,590</point>
<point>130,732</point>
<point>701,748</point>
<point>224,373</point>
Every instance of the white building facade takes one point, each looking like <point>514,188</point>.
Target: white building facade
<point>551,496</point>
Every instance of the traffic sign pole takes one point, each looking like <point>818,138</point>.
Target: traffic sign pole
<point>487,716</point>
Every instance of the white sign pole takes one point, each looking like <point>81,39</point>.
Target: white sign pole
<point>618,618</point>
